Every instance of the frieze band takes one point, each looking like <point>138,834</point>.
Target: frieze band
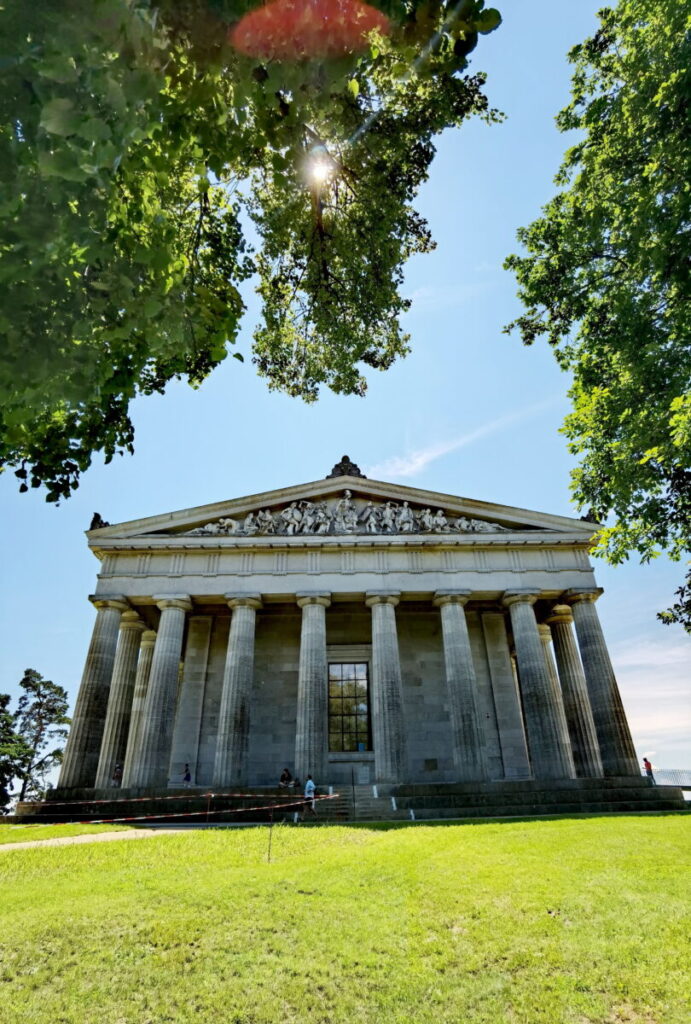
<point>344,517</point>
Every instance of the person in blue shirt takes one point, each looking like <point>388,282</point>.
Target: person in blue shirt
<point>309,796</point>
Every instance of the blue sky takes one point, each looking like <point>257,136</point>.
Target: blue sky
<point>469,412</point>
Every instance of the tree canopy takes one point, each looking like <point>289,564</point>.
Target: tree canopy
<point>134,137</point>
<point>28,736</point>
<point>605,279</point>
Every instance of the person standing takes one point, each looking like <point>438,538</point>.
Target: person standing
<point>310,789</point>
<point>187,776</point>
<point>648,770</point>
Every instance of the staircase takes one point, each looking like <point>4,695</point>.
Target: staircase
<point>419,802</point>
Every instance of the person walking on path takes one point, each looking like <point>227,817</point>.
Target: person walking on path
<point>648,770</point>
<point>187,776</point>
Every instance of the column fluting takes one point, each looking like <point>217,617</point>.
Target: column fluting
<point>617,751</point>
<point>116,729</point>
<point>311,737</point>
<point>152,754</point>
<point>579,717</point>
<point>559,710</point>
<point>461,684</point>
<point>230,765</point>
<point>84,742</point>
<point>141,683</point>
<point>388,723</point>
<point>548,757</point>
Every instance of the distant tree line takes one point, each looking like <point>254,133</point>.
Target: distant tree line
<point>31,737</point>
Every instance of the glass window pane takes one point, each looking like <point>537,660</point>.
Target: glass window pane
<point>361,707</point>
<point>334,671</point>
<point>361,672</point>
<point>348,671</point>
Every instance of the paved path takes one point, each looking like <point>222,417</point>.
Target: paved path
<point>97,837</point>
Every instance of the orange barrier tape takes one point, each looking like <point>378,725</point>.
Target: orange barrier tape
<point>192,814</point>
<point>138,799</point>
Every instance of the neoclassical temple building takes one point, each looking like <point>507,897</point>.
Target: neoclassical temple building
<point>350,629</point>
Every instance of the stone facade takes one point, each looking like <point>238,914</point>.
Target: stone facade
<point>360,631</point>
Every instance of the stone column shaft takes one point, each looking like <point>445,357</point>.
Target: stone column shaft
<point>461,683</point>
<point>548,757</point>
<point>230,766</point>
<point>616,746</point>
<point>152,754</point>
<point>141,683</point>
<point>84,743</point>
<point>117,724</point>
<point>311,738</point>
<point>188,716</point>
<point>559,710</point>
<point>514,750</point>
<point>586,754</point>
<point>388,724</point>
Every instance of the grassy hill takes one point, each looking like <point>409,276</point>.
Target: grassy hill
<point>562,922</point>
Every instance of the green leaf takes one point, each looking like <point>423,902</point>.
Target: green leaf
<point>354,88</point>
<point>60,118</point>
<point>488,20</point>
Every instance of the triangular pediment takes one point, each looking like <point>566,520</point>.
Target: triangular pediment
<point>343,506</point>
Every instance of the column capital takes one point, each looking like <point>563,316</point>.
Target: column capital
<point>519,597</point>
<point>117,601</point>
<point>244,601</point>
<point>588,594</point>
<point>545,632</point>
<point>313,597</point>
<point>130,620</point>
<point>148,638</point>
<point>182,601</point>
<point>373,597</point>
<point>451,597</point>
<point>560,613</point>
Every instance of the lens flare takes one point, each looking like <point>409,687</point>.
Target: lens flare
<point>295,29</point>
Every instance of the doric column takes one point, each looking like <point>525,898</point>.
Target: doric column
<point>388,725</point>
<point>546,638</point>
<point>468,751</point>
<point>188,715</point>
<point>84,742</point>
<point>117,725</point>
<point>579,717</point>
<point>152,754</point>
<point>616,746</point>
<point>311,742</point>
<point>548,757</point>
<point>507,703</point>
<point>141,683</point>
<point>230,766</point>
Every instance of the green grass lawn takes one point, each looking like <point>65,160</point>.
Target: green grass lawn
<point>561,922</point>
<point>32,833</point>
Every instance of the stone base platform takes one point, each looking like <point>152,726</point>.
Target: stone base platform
<point>360,803</point>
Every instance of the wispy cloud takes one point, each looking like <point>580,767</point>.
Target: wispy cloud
<point>653,675</point>
<point>415,461</point>
<point>444,296</point>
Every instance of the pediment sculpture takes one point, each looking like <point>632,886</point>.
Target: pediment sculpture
<point>343,517</point>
